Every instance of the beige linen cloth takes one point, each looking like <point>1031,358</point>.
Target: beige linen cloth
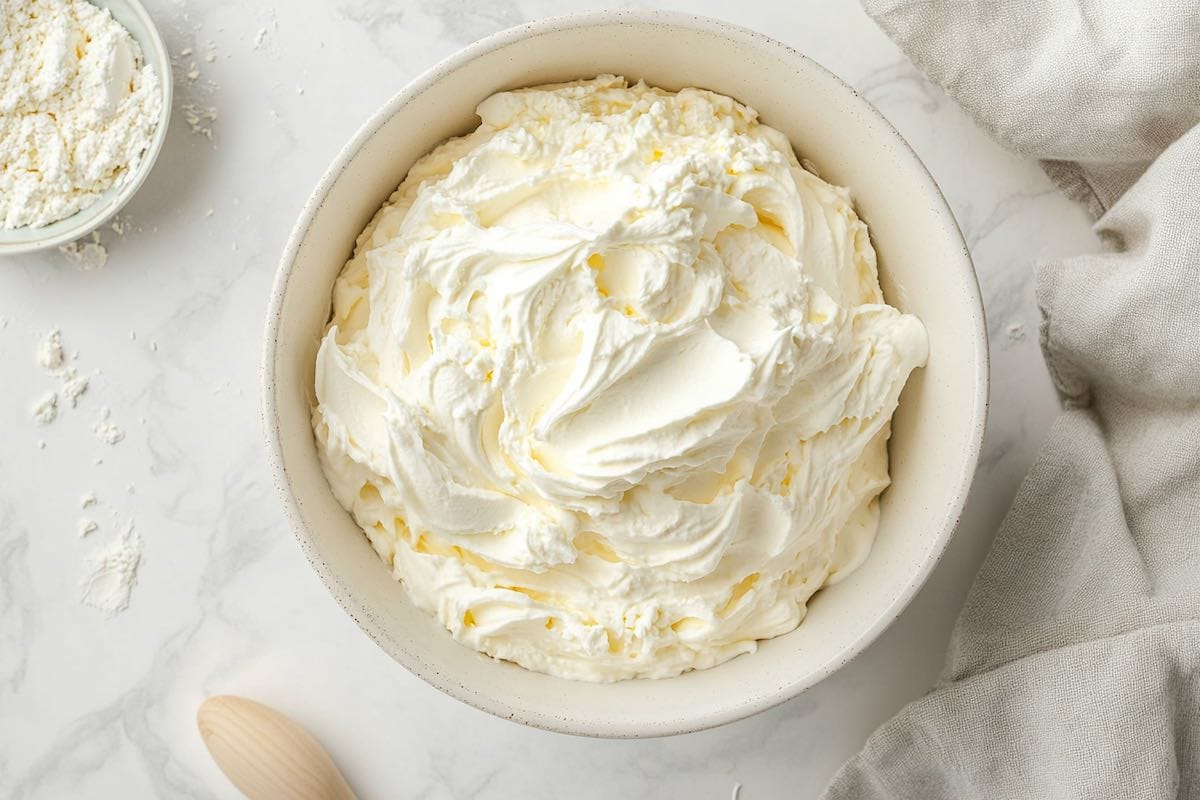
<point>1074,669</point>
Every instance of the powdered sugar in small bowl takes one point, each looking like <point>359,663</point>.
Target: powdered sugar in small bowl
<point>86,114</point>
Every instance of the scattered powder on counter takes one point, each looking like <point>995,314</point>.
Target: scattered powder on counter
<point>73,386</point>
<point>107,431</point>
<point>86,255</point>
<point>46,409</point>
<point>86,526</point>
<point>53,359</point>
<point>199,119</point>
<point>50,353</point>
<point>1016,331</point>
<point>78,108</point>
<point>88,499</point>
<point>122,224</point>
<point>112,573</point>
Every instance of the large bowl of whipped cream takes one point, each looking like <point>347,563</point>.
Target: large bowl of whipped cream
<point>587,422</point>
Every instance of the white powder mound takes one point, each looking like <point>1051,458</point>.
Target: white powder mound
<point>107,431</point>
<point>112,573</point>
<point>73,386</point>
<point>50,353</point>
<point>78,108</point>
<point>46,409</point>
<point>86,255</point>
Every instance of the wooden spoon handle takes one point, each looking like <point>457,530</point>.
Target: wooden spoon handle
<point>265,754</point>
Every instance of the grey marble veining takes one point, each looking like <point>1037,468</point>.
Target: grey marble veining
<point>225,602</point>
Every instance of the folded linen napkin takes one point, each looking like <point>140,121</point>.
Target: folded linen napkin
<point>1074,669</point>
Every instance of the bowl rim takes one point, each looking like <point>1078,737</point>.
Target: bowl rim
<point>112,205</point>
<point>429,672</point>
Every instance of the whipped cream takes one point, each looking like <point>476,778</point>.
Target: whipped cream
<point>608,382</point>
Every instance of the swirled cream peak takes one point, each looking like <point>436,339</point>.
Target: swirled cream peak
<point>608,381</point>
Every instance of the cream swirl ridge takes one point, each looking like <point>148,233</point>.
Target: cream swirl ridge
<point>608,382</point>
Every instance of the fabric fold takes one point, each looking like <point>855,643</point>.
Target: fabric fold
<point>1074,668</point>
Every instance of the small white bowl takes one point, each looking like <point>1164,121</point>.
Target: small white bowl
<point>925,270</point>
<point>137,21</point>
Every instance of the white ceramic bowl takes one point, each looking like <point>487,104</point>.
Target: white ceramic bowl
<point>137,21</point>
<point>925,270</point>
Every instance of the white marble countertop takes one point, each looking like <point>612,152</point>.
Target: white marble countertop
<point>225,602</point>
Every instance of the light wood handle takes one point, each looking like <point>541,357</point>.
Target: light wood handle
<point>265,754</point>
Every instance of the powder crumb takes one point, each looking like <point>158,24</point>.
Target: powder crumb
<point>199,119</point>
<point>233,247</point>
<point>133,336</point>
<point>87,256</point>
<point>260,37</point>
<point>50,353</point>
<point>73,386</point>
<point>3,323</point>
<point>41,444</point>
<point>119,225</point>
<point>88,499</point>
<point>187,51</point>
<point>208,213</point>
<point>1015,331</point>
<point>46,409</point>
<point>153,346</point>
<point>86,526</point>
<point>193,74</point>
<point>106,430</point>
<point>98,461</point>
<point>112,573</point>
<point>210,57</point>
<point>299,90</point>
